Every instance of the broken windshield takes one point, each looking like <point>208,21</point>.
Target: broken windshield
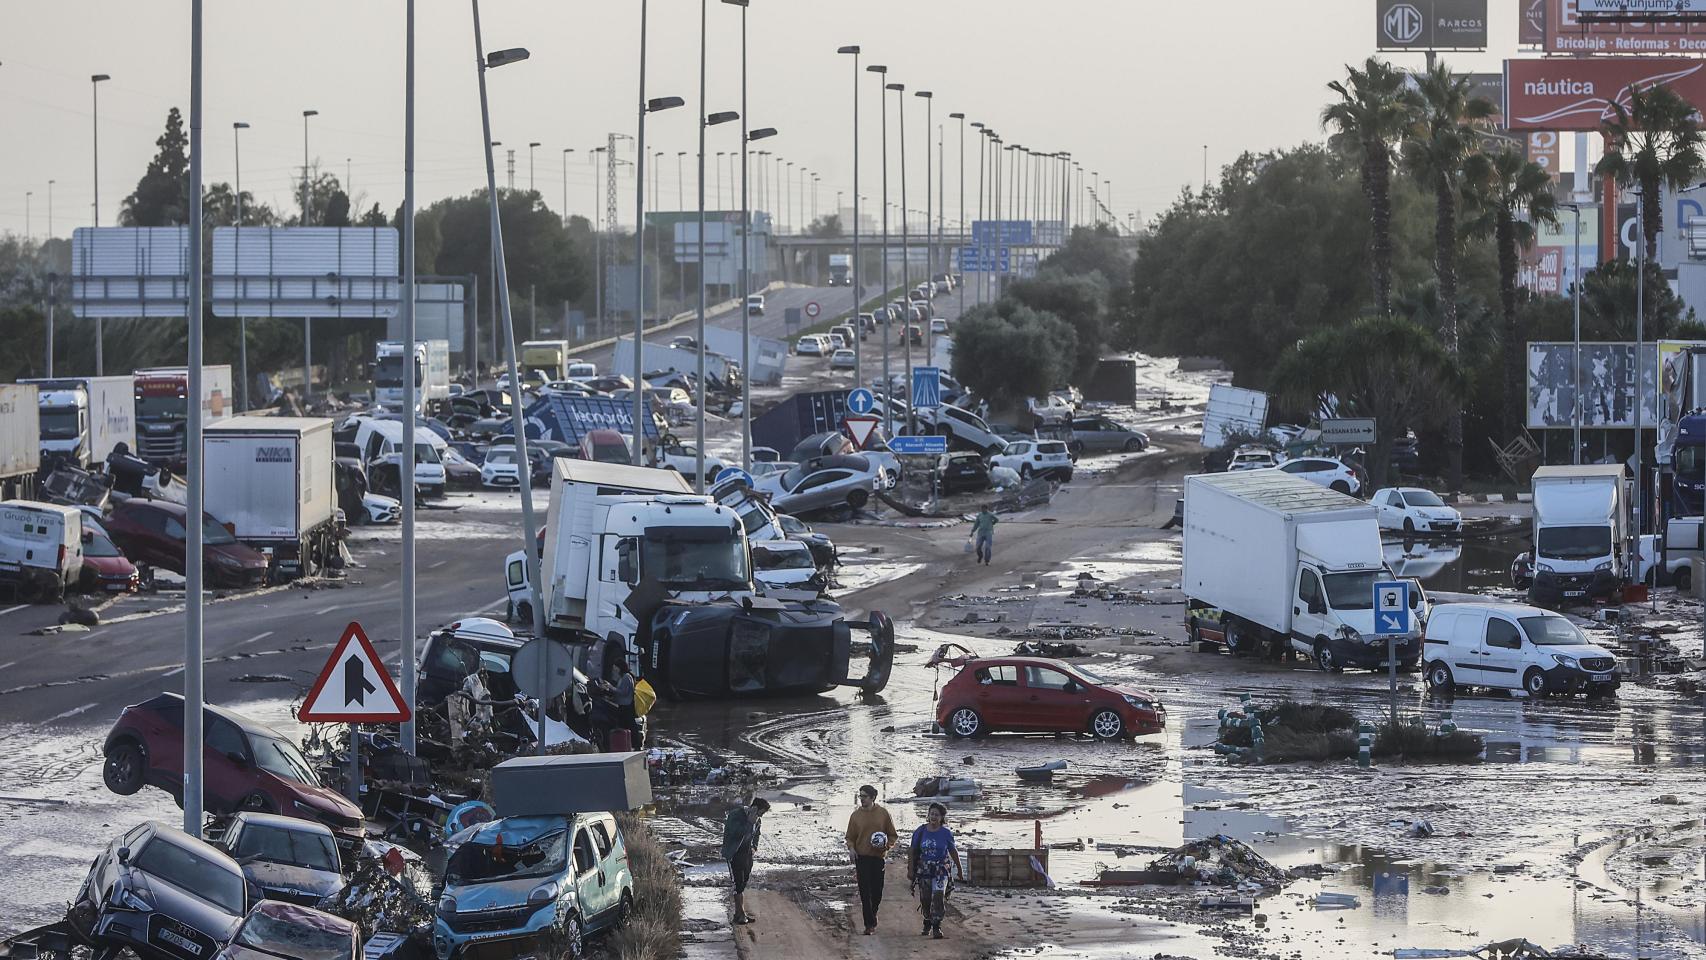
<point>483,862</point>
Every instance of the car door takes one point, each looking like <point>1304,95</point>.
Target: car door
<point>591,883</point>
<point>228,763</point>
<point>1391,510</point>
<point>1501,653</point>
<point>1054,701</point>
<point>996,695</point>
<point>1308,609</point>
<point>609,870</point>
<point>1466,638</point>
<point>173,543</point>
<point>820,490</point>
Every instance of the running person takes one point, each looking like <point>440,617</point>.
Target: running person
<point>927,867</point>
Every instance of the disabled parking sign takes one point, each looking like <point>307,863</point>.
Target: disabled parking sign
<point>1391,608</point>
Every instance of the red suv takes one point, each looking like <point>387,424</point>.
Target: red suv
<point>152,531</point>
<point>245,766</point>
<point>1038,695</point>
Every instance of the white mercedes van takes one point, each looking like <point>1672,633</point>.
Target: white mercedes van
<point>1513,646</point>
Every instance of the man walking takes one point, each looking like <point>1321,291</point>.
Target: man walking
<point>740,842</point>
<point>983,529</point>
<point>870,837</point>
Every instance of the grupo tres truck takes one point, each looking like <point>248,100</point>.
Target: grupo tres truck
<point>84,418</point>
<point>550,357</point>
<point>41,549</point>
<point>272,481</point>
<point>1277,564</point>
<point>665,579</point>
<point>432,372</point>
<point>20,440</point>
<point>1581,528</point>
<point>163,409</point>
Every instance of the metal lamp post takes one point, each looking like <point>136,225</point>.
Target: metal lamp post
<point>406,731</point>
<point>530,554</point>
<point>52,281</point>
<point>888,406</point>
<point>307,322</point>
<point>237,263</point>
<point>530,147</point>
<point>762,133</point>
<point>566,152</point>
<point>858,265</point>
<point>95,82</point>
<point>982,142</point>
<point>929,187</point>
<point>646,107</point>
<point>193,481</point>
<point>706,120</point>
<point>962,286</point>
<point>1576,353</point>
<point>905,263</point>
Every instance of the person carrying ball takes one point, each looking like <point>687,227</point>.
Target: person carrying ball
<point>870,839</point>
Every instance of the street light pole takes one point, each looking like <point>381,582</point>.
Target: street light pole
<point>406,731</point>
<point>746,137</point>
<point>237,263</point>
<point>929,185</point>
<point>888,319</point>
<point>566,152</point>
<point>905,264</point>
<point>680,205</point>
<point>706,121</point>
<point>194,741</point>
<point>1576,353</point>
<point>307,322</point>
<point>530,554</point>
<point>858,266</point>
<point>962,286</point>
<point>95,82</point>
<point>530,147</point>
<point>971,239</point>
<point>52,281</point>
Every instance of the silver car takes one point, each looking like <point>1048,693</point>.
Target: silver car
<point>823,483</point>
<point>1100,435</point>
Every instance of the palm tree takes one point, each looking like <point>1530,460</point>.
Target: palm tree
<point>1368,119</point>
<point>1509,196</point>
<point>1652,142</point>
<point>1443,132</point>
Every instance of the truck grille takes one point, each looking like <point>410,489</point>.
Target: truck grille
<point>1597,664</point>
<point>159,448</point>
<point>488,921</point>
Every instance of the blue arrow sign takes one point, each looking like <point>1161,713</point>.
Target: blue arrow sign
<point>914,446</point>
<point>1391,608</point>
<point>728,472</point>
<point>926,387</point>
<point>860,401</point>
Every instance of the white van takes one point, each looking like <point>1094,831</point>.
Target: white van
<point>41,548</point>
<point>1513,646</point>
<point>582,370</point>
<point>381,442</point>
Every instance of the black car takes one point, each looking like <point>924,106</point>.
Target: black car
<point>822,548</point>
<point>161,893</point>
<point>961,471</point>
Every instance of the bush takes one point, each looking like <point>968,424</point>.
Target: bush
<point>653,931</point>
<point>1413,741</point>
<point>1294,731</point>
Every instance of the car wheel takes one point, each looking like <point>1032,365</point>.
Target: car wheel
<point>1409,527</point>
<point>124,768</point>
<point>1107,725</point>
<point>965,722</point>
<point>1133,445</point>
<point>524,613</point>
<point>570,940</point>
<point>1341,486</point>
<point>626,910</point>
<point>1534,682</point>
<point>1234,641</point>
<point>257,802</point>
<point>1025,472</point>
<point>858,498</point>
<point>1683,580</point>
<point>1324,658</point>
<point>1439,677</point>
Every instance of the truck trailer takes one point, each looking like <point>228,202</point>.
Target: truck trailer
<point>163,408</point>
<point>272,480</point>
<point>661,358</point>
<point>20,440</point>
<point>841,270</point>
<point>550,357</point>
<point>1276,564</point>
<point>84,418</point>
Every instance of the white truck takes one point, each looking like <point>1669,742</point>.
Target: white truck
<point>549,356</point>
<point>432,373</point>
<point>41,549</point>
<point>1278,565</point>
<point>84,418</point>
<point>271,479</point>
<point>20,440</point>
<point>1581,532</point>
<point>381,443</point>
<point>633,567</point>
<point>163,409</point>
<point>768,355</point>
<point>841,269</point>
<point>661,358</point>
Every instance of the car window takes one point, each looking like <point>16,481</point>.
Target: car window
<point>299,848</point>
<point>282,759</point>
<point>1051,447</point>
<point>1309,588</point>
<point>515,573</point>
<point>1004,676</point>
<point>173,528</point>
<point>1046,678</point>
<point>823,478</point>
<point>194,873</point>
<point>601,837</point>
<point>586,859</point>
<point>224,738</point>
<point>1503,634</point>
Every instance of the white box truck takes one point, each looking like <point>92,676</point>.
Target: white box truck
<point>20,440</point>
<point>841,269</point>
<point>661,358</point>
<point>550,357</point>
<point>768,355</point>
<point>41,549</point>
<point>1277,564</point>
<point>1581,531</point>
<point>162,409</point>
<point>83,418</point>
<point>272,480</point>
<point>432,373</point>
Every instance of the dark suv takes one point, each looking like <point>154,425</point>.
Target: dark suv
<point>152,531</point>
<point>246,766</point>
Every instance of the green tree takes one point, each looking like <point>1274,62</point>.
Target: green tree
<point>161,197</point>
<point>1388,368</point>
<point>1092,250</point>
<point>1445,127</point>
<point>539,251</point>
<point>1080,301</point>
<point>375,217</point>
<point>826,227</point>
<point>1368,119</point>
<point>328,204</point>
<point>1509,195</point>
<point>1608,298</point>
<point>1006,352</point>
<point>219,208</point>
<point>1655,141</point>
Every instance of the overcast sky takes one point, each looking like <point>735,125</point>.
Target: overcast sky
<point>1134,88</point>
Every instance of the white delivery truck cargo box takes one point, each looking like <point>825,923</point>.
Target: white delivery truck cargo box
<point>271,478</point>
<point>20,430</point>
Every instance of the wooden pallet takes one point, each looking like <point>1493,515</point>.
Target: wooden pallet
<point>992,867</point>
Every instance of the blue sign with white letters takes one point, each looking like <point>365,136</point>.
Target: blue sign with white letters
<point>731,472</point>
<point>926,387</point>
<point>1391,608</point>
<point>914,446</point>
<point>860,401</point>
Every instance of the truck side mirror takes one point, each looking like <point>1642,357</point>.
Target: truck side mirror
<point>1317,607</point>
<point>627,570</point>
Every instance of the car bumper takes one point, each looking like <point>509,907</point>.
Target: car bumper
<point>1577,680</point>
<point>1143,722</point>
<point>1555,588</point>
<point>501,480</point>
<point>1370,656</point>
<point>469,937</point>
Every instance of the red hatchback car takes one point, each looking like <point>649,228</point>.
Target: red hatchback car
<point>152,531</point>
<point>245,766</point>
<point>1038,695</point>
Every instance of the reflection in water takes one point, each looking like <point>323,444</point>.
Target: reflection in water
<point>1466,566</point>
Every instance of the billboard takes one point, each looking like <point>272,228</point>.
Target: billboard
<point>1531,22</point>
<point>1608,385</point>
<point>304,272</point>
<point>1639,10</point>
<point>1559,93</point>
<point>1549,265</point>
<point>1430,24</point>
<point>130,271</point>
<point>1567,32</point>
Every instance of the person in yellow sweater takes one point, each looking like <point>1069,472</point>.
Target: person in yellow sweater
<point>870,838</point>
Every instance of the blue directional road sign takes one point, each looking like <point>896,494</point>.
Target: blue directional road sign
<point>860,401</point>
<point>926,387</point>
<point>912,446</point>
<point>1391,608</point>
<point>728,472</point>
<point>985,259</point>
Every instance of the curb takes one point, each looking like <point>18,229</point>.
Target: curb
<point>1473,498</point>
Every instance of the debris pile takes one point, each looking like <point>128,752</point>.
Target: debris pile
<point>1222,861</point>
<point>1052,649</point>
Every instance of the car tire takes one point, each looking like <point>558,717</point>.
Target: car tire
<point>125,768</point>
<point>1409,527</point>
<point>1025,472</point>
<point>1233,640</point>
<point>1324,658</point>
<point>1534,682</point>
<point>966,723</point>
<point>625,910</point>
<point>257,802</point>
<point>1439,677</point>
<point>1683,580</point>
<point>1107,725</point>
<point>1341,486</point>
<point>524,613</point>
<point>858,499</point>
<point>569,941</point>
<point>1133,445</point>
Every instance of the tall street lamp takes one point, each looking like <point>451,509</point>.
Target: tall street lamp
<point>530,146</point>
<point>680,204</point>
<point>406,731</point>
<point>971,239</point>
<point>52,281</point>
<point>929,248</point>
<point>194,741</point>
<point>646,107</point>
<point>706,120</point>
<point>761,133</point>
<point>307,322</point>
<point>962,286</point>
<point>905,263</point>
<point>237,129</point>
<point>530,556</point>
<point>566,152</point>
<point>95,82</point>
<point>305,115</point>
<point>888,406</point>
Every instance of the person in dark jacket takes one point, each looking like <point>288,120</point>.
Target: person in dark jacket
<point>741,828</point>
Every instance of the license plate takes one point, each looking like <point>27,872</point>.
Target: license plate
<point>940,884</point>
<point>183,943</point>
<point>1599,677</point>
<point>1574,593</point>
<point>117,587</point>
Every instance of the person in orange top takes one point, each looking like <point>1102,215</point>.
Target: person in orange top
<point>870,838</point>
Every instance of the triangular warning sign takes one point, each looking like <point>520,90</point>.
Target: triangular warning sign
<point>861,429</point>
<point>353,687</point>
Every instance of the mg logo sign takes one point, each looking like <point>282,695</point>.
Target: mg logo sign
<point>1402,23</point>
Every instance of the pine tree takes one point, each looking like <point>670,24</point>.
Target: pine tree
<point>161,198</point>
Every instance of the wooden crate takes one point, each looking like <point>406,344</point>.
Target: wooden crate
<point>990,867</point>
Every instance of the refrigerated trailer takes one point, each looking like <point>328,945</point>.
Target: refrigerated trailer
<point>84,418</point>
<point>20,440</point>
<point>272,480</point>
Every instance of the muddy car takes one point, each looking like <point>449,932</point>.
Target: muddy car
<point>161,893</point>
<point>1040,695</point>
<point>282,931</point>
<point>295,861</point>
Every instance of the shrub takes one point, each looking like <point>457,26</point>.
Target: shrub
<point>653,931</point>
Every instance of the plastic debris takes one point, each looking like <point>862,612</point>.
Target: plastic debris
<point>1336,901</point>
<point>1222,861</point>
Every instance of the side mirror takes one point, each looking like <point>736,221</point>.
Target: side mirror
<point>123,854</point>
<point>627,570</point>
<point>1317,607</point>
<point>237,758</point>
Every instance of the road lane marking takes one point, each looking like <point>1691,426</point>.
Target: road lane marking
<point>491,606</point>
<point>172,672</point>
<point>435,566</point>
<point>7,664</point>
<point>258,636</point>
<point>21,606</point>
<point>72,712</point>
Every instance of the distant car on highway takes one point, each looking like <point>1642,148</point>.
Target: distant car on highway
<point>1040,695</point>
<point>811,345</point>
<point>755,305</point>
<point>843,359</point>
<point>938,327</point>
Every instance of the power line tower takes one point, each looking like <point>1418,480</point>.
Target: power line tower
<point>610,180</point>
<point>511,169</point>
